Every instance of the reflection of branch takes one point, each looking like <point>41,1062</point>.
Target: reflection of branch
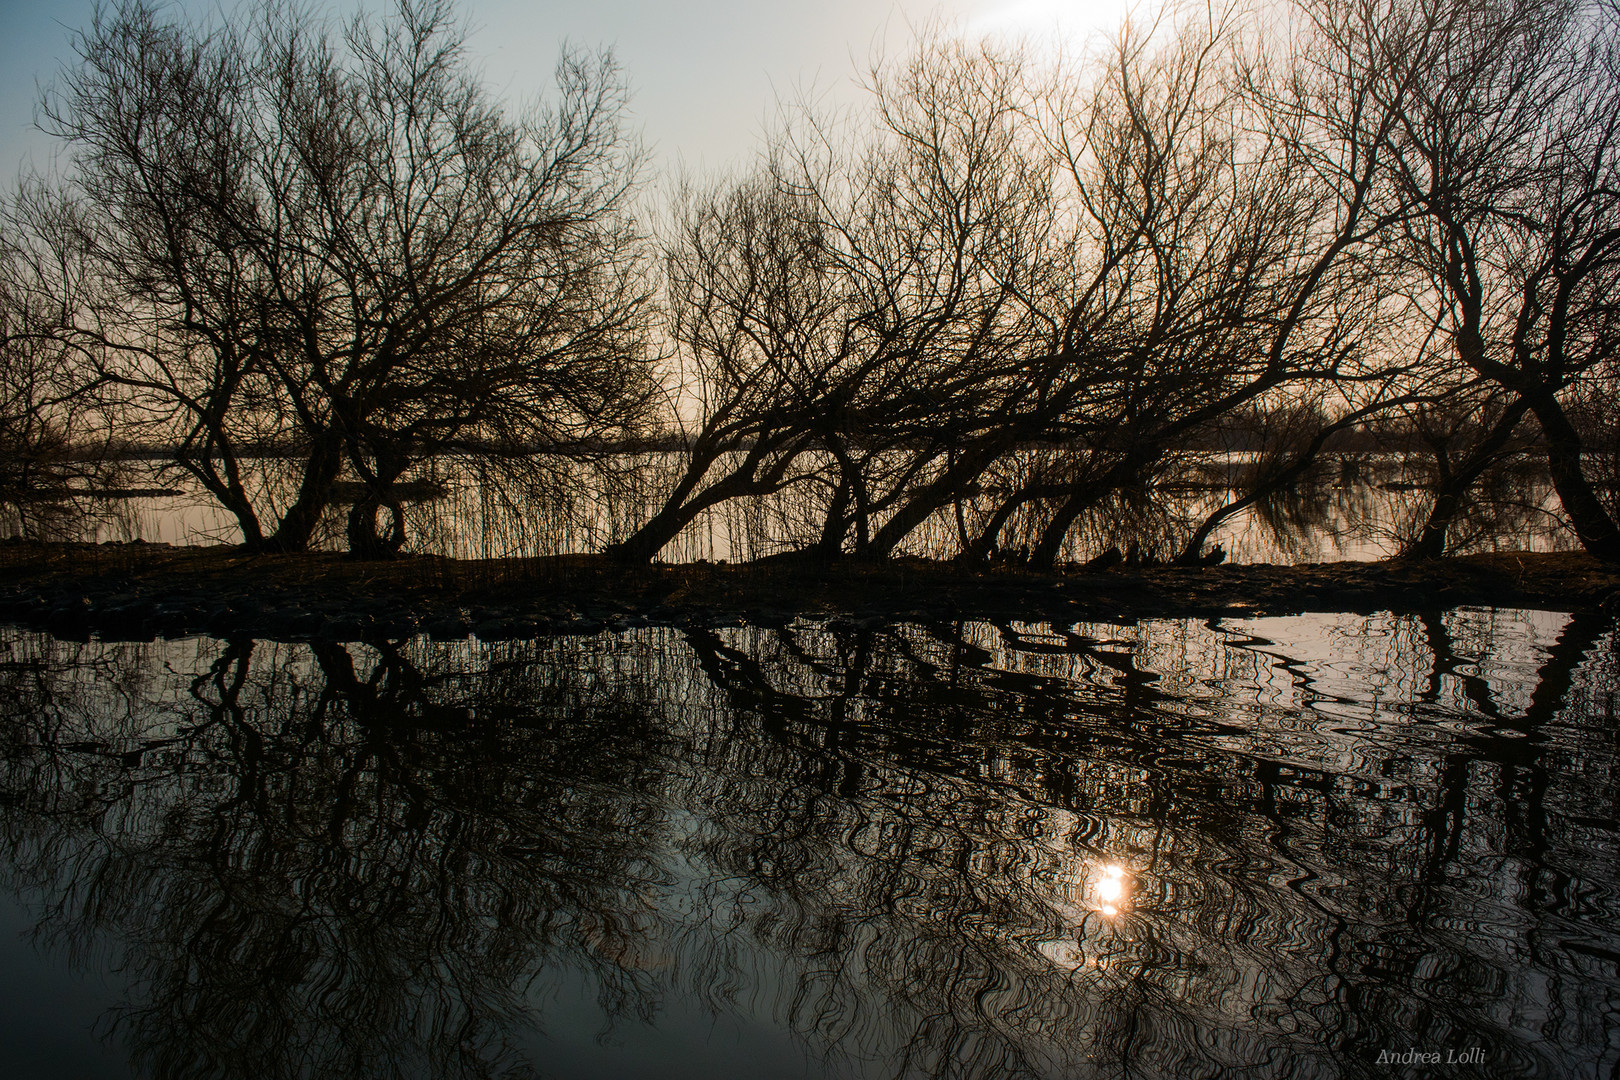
<point>1445,661</point>
<point>383,857</point>
<point>1525,774</point>
<point>302,898</point>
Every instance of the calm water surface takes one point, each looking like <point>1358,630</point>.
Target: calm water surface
<point>1268,847</point>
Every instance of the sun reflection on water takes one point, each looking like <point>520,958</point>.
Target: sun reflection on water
<point>1111,886</point>
<point>1104,889</point>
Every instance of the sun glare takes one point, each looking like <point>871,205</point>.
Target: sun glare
<point>1112,888</point>
<point>1070,25</point>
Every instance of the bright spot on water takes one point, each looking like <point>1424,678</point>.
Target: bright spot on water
<point>1111,887</point>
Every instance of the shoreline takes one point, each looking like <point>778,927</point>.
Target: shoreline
<point>138,592</point>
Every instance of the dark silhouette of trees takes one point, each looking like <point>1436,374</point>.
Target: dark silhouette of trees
<point>54,443</point>
<point>999,314</point>
<point>1467,436</point>
<point>1225,245</point>
<point>1020,292</point>
<point>1397,206</point>
<point>858,313</point>
<point>1505,157</point>
<point>339,250</point>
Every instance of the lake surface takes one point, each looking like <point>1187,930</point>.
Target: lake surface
<point>581,506</point>
<point>1266,847</point>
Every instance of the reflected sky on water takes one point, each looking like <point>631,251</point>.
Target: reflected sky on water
<point>1263,847</point>
<point>1380,503</point>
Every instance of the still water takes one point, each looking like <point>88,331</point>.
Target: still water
<point>1266,847</point>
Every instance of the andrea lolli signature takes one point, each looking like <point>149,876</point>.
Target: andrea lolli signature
<point>1472,1055</point>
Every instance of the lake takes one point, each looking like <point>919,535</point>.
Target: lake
<point>572,506</point>
<point>1244,847</point>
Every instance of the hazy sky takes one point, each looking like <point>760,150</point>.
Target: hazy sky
<point>705,73</point>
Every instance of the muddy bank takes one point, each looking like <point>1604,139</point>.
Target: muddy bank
<point>142,591</point>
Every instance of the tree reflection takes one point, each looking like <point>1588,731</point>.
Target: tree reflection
<point>944,850</point>
<point>319,872</point>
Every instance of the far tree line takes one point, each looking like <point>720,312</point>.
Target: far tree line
<point>1010,298</point>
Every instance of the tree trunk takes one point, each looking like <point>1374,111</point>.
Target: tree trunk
<point>1593,525</point>
<point>1085,496</point>
<point>227,489</point>
<point>984,545</point>
<point>1192,552</point>
<point>297,525</point>
<point>836,525</point>
<point>946,487</point>
<point>1450,495</point>
<point>647,541</point>
<point>365,542</point>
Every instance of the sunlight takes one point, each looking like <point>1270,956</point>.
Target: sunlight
<point>1066,25</point>
<point>1112,888</point>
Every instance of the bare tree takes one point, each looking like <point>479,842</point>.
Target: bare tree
<point>1507,158</point>
<point>1222,209</point>
<point>852,318</point>
<point>1466,434</point>
<point>54,443</point>
<point>1017,292</point>
<point>752,311</point>
<point>339,251</point>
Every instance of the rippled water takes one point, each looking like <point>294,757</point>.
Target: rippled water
<point>1268,847</point>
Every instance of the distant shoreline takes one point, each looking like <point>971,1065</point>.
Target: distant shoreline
<point>133,592</point>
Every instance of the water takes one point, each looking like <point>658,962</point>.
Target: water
<point>1263,847</point>
<point>569,506</point>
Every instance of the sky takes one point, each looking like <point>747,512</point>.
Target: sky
<point>705,75</point>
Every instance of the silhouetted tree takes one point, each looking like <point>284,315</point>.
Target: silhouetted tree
<point>858,312</point>
<point>1508,160</point>
<point>54,442</point>
<point>338,248</point>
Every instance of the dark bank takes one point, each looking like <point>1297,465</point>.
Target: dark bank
<point>140,591</point>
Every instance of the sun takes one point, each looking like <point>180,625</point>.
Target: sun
<point>1068,25</point>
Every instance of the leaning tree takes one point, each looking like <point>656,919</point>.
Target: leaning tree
<point>294,250</point>
<point>1507,161</point>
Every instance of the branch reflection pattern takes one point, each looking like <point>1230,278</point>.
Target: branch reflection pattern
<point>1269,847</point>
